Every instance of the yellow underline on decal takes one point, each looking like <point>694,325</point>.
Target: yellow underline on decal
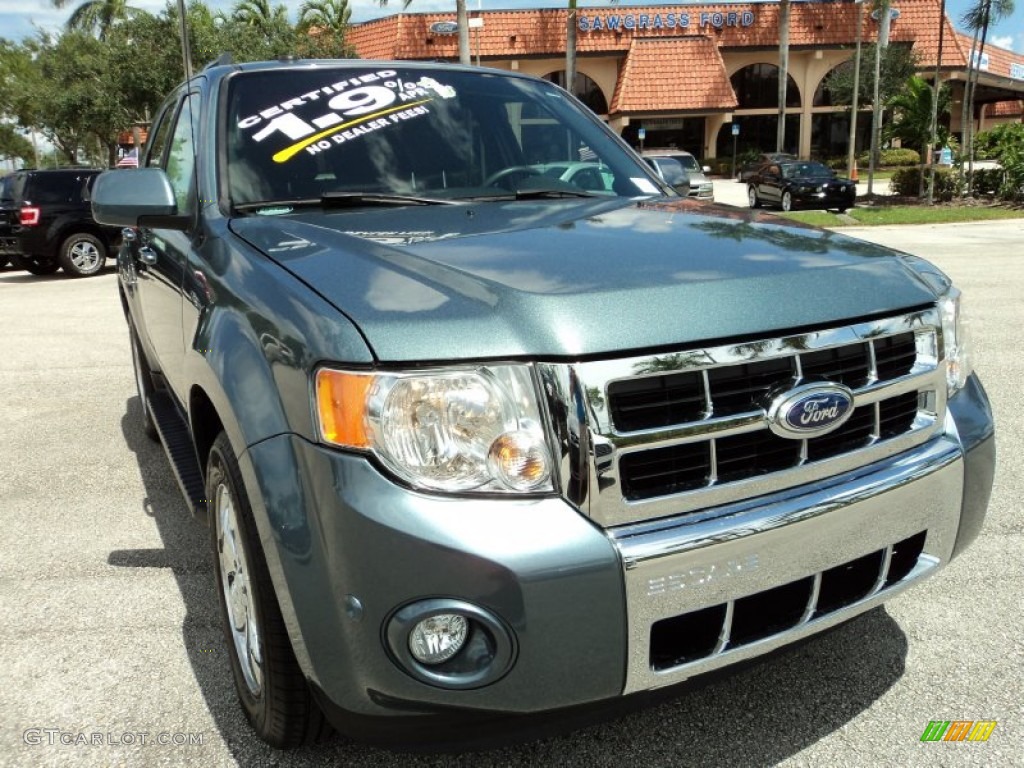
<point>289,152</point>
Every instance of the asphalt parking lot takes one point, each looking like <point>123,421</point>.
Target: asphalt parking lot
<point>108,618</point>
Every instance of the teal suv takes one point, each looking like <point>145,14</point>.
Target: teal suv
<point>476,442</point>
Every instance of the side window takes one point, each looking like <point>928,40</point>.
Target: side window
<point>157,141</point>
<point>181,158</point>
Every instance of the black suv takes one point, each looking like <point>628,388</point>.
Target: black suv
<point>46,223</point>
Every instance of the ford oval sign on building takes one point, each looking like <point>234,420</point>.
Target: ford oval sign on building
<point>810,410</point>
<point>444,28</point>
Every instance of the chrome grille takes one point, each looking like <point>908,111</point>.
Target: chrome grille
<point>679,433</point>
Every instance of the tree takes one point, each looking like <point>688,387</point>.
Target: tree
<point>258,14</point>
<point>325,15</point>
<point>97,16</point>
<point>322,27</point>
<point>780,132</point>
<point>462,21</point>
<point>15,146</point>
<point>898,64</point>
<point>912,118</point>
<point>912,114</point>
<point>977,18</point>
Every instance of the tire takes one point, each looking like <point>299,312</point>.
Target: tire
<point>271,687</point>
<point>787,202</point>
<point>3,262</point>
<point>36,265</point>
<point>144,386</point>
<point>82,254</point>
<point>752,198</point>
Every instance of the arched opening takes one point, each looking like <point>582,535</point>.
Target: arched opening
<point>757,87</point>
<point>584,89</point>
<point>822,94</point>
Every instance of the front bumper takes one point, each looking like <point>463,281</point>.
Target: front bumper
<point>588,607</point>
<point>826,199</point>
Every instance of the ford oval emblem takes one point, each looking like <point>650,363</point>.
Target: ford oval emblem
<point>444,28</point>
<point>810,410</point>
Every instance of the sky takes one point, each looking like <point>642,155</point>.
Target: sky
<point>21,18</point>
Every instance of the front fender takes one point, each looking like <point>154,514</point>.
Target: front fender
<point>254,335</point>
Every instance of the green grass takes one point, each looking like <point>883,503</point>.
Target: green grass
<point>903,214</point>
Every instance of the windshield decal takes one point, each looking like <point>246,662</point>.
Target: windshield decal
<point>355,107</point>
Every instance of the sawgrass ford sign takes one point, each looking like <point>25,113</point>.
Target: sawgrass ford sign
<point>617,22</point>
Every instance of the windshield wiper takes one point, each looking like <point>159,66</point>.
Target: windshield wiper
<point>343,200</point>
<point>535,194</point>
<point>354,199</point>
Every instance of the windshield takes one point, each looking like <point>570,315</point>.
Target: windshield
<point>805,170</point>
<point>433,133</point>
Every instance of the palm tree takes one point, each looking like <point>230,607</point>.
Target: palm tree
<point>912,113</point>
<point>977,18</point>
<point>258,13</point>
<point>462,20</point>
<point>97,15</point>
<point>780,132</point>
<point>330,15</point>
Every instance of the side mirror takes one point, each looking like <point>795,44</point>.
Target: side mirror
<point>136,198</point>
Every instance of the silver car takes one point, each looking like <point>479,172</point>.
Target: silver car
<point>664,162</point>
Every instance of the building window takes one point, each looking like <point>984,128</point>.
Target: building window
<point>757,87</point>
<point>584,89</point>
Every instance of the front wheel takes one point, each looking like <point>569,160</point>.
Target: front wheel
<point>270,685</point>
<point>36,265</point>
<point>752,198</point>
<point>787,201</point>
<point>82,254</point>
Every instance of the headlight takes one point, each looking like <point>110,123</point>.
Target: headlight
<point>465,429</point>
<point>956,341</point>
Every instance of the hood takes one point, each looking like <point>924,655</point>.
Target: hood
<point>565,279</point>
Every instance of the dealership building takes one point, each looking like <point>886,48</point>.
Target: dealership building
<point>692,75</point>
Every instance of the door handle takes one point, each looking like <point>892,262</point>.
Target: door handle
<point>147,255</point>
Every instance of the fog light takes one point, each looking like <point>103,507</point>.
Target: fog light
<point>438,638</point>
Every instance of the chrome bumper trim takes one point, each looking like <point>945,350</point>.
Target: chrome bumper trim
<point>677,566</point>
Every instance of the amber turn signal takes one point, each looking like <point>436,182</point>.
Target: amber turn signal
<point>341,407</point>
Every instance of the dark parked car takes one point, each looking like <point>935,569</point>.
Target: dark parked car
<point>474,442</point>
<point>800,184</point>
<point>753,166</point>
<point>46,222</point>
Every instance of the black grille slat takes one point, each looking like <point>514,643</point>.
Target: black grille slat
<point>855,433</point>
<point>657,401</point>
<point>665,470</point>
<point>753,454</point>
<point>895,356</point>
<point>850,365</point>
<point>743,388</point>
<point>897,414</point>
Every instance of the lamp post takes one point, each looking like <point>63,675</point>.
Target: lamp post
<point>186,53</point>
<point>852,158</point>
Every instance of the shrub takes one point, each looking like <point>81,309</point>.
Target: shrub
<point>987,181</point>
<point>892,158</point>
<point>907,182</point>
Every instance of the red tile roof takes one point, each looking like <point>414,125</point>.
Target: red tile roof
<point>675,74</point>
<point>999,59</point>
<point>542,31</point>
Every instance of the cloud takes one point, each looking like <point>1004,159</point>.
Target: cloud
<point>1003,41</point>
